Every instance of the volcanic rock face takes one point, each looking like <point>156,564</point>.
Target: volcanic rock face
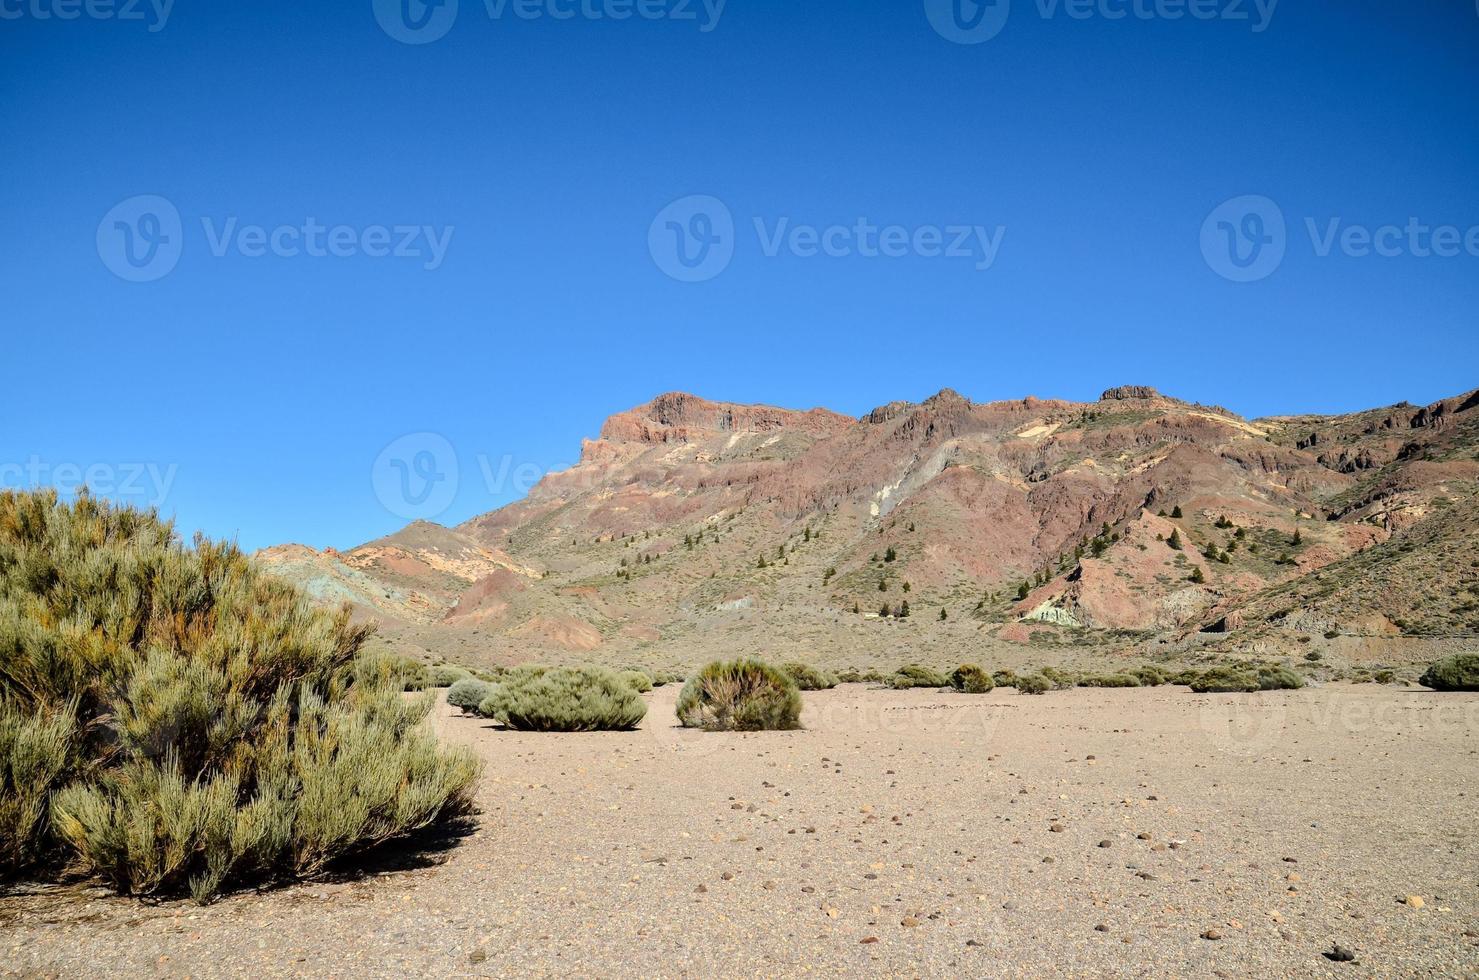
<point>1138,518</point>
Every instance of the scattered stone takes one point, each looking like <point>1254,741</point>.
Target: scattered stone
<point>1340,954</point>
<point>1101,927</point>
<point>1293,876</point>
<point>702,888</point>
<point>1106,843</point>
<point>1009,905</point>
<point>1212,934</point>
<point>909,922</point>
<point>1142,836</point>
<point>1056,828</point>
<point>1414,901</point>
<point>477,956</point>
<point>866,940</point>
<point>727,876</point>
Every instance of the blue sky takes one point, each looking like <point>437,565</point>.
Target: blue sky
<point>522,164</point>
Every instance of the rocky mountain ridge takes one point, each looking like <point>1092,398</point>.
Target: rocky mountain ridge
<point>1134,523</point>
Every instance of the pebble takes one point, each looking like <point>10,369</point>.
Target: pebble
<point>1415,901</point>
<point>1212,934</point>
<point>1340,954</point>
<point>1106,843</point>
<point>1101,927</point>
<point>1056,828</point>
<point>908,922</point>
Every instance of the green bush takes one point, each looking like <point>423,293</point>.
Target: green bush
<point>1456,673</point>
<point>971,679</point>
<point>740,695</point>
<point>1108,680</point>
<point>1004,678</point>
<point>468,694</point>
<point>638,680</point>
<point>913,675</point>
<point>564,699</point>
<point>1033,684</point>
<point>445,675</point>
<point>1184,677</point>
<point>1278,679</point>
<point>1148,675</point>
<point>1225,680</point>
<point>1062,680</point>
<point>172,719</point>
<point>810,678</point>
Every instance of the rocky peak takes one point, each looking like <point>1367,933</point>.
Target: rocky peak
<point>1129,393</point>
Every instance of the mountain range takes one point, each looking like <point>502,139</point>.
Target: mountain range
<point>947,530</point>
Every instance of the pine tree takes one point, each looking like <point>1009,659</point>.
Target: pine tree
<point>1176,513</point>
<point>1197,576</point>
<point>1175,540</point>
<point>904,610</point>
<point>890,554</point>
<point>943,616</point>
<point>1022,591</point>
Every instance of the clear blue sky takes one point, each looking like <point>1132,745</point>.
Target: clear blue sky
<point>268,386</point>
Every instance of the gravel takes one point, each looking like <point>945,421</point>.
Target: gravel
<point>903,832</point>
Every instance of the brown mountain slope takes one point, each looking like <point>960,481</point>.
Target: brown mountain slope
<point>692,527</point>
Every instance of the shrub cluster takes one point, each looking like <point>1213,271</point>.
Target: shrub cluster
<point>809,678</point>
<point>740,695</point>
<point>172,719</point>
<point>1226,679</point>
<point>564,699</point>
<point>1109,680</point>
<point>1148,675</point>
<point>1456,673</point>
<point>971,679</point>
<point>913,675</point>
<point>445,675</point>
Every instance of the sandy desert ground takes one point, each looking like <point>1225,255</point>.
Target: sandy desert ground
<point>917,833</point>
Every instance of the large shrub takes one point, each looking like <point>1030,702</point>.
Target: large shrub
<point>971,679</point>
<point>740,695</point>
<point>1033,684</point>
<point>809,678</point>
<point>1278,679</point>
<point>1148,675</point>
<point>564,699</point>
<point>1224,680</point>
<point>1456,673</point>
<point>913,675</point>
<point>171,718</point>
<point>468,694</point>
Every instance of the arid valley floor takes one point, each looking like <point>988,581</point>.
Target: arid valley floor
<point>903,833</point>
